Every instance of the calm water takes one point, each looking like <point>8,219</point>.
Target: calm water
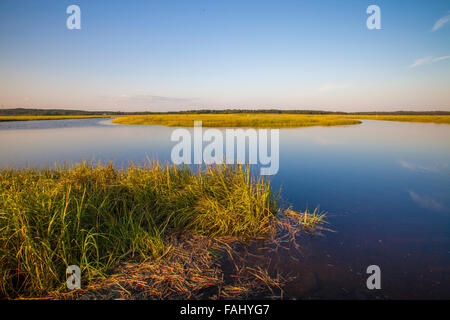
<point>385,185</point>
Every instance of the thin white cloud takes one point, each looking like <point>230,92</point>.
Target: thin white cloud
<point>426,201</point>
<point>438,167</point>
<point>427,60</point>
<point>414,167</point>
<point>333,86</point>
<point>441,22</point>
<point>148,98</point>
<point>441,58</point>
<point>149,102</point>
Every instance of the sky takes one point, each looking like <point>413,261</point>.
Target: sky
<point>179,55</point>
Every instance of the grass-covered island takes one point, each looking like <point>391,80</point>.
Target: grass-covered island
<point>238,120</point>
<point>140,232</point>
<point>269,120</point>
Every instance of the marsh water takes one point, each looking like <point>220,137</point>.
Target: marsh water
<point>385,186</point>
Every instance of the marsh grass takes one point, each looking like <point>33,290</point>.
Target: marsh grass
<point>269,120</point>
<point>192,269</point>
<point>308,220</point>
<point>99,217</point>
<point>96,216</point>
<point>238,120</point>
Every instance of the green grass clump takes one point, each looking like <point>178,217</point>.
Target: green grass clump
<point>95,216</point>
<point>308,220</point>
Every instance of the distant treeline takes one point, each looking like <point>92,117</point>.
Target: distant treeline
<point>63,112</point>
<point>48,112</point>
<point>272,111</point>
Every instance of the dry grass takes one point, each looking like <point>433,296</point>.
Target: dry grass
<point>186,272</point>
<point>99,217</point>
<point>238,120</point>
<point>198,267</point>
<point>270,120</point>
<point>191,270</point>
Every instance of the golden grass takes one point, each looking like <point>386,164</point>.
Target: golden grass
<point>29,118</point>
<point>199,267</point>
<point>238,120</point>
<point>190,270</point>
<point>269,120</point>
<point>97,217</point>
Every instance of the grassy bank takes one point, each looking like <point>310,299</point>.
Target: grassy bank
<point>29,118</point>
<point>97,216</point>
<point>238,120</point>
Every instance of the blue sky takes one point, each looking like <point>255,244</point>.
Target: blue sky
<point>176,55</point>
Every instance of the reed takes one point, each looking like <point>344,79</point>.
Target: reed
<point>99,216</point>
<point>269,120</point>
<point>96,216</point>
<point>309,221</point>
<point>238,120</point>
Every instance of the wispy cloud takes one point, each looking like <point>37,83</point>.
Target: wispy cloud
<point>147,98</point>
<point>333,86</point>
<point>426,201</point>
<point>150,102</point>
<point>441,22</point>
<point>427,60</point>
<point>421,168</point>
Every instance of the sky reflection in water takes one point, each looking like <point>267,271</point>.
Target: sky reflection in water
<point>385,185</point>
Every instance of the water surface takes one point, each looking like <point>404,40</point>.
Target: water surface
<point>385,185</point>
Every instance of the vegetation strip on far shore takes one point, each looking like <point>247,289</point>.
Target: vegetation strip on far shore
<point>103,219</point>
<point>30,118</point>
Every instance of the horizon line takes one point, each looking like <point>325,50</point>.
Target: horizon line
<point>233,110</point>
